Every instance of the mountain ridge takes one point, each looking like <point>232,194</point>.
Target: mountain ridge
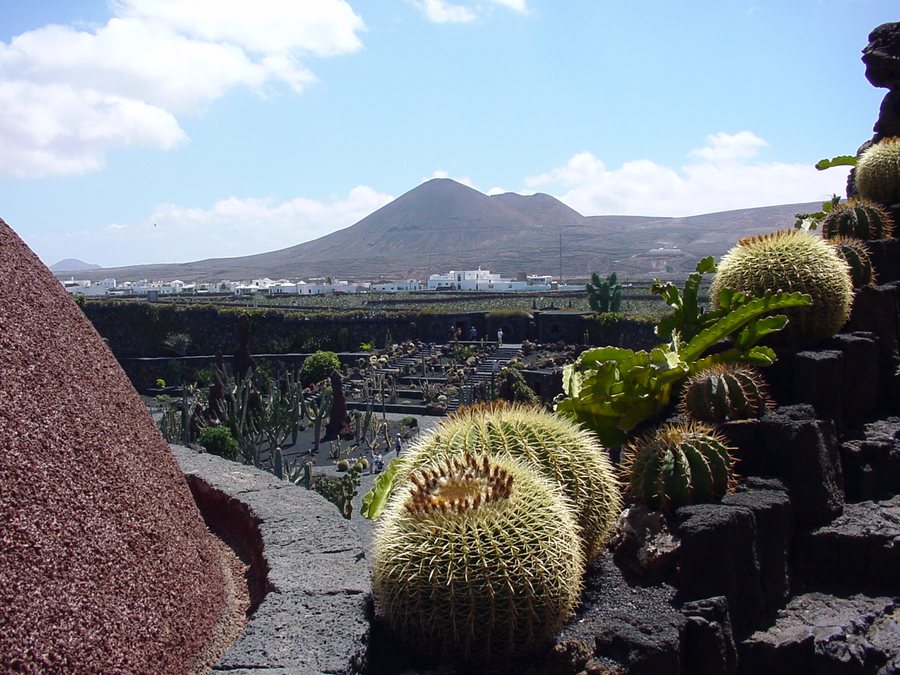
<point>442,225</point>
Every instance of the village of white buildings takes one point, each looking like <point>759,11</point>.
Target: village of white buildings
<point>468,280</point>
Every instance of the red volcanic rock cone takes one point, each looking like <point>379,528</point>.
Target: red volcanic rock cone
<point>105,563</point>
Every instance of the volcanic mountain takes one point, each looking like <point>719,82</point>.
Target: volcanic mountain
<point>442,225</point>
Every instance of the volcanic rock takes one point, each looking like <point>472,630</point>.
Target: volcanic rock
<point>105,563</point>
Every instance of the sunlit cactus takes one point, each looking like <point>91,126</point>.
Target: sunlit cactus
<point>791,260</point>
<point>559,448</point>
<point>678,465</point>
<point>724,392</point>
<point>477,560</point>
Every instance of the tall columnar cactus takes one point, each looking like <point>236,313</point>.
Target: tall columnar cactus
<point>477,560</point>
<point>725,391</point>
<point>791,260</point>
<point>604,295</point>
<point>678,465</point>
<point>553,444</point>
<point>278,463</point>
<point>855,253</point>
<point>862,219</point>
<point>878,172</point>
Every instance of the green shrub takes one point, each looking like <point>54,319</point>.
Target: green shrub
<point>219,441</point>
<point>318,367</point>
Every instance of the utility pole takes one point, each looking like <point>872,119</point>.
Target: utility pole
<point>560,256</point>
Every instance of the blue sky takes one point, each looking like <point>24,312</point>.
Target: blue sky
<point>137,131</point>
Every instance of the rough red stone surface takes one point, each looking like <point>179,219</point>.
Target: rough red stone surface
<point>105,563</point>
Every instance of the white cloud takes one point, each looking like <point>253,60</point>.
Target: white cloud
<point>723,147</point>
<point>520,6</point>
<point>56,129</point>
<point>719,178</point>
<point>230,227</point>
<point>442,11</point>
<point>320,27</point>
<point>441,173</point>
<point>157,59</point>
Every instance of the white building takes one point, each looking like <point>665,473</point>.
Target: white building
<point>396,286</point>
<point>89,288</point>
<point>483,280</point>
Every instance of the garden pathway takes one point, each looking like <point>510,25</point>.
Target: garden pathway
<point>487,370</point>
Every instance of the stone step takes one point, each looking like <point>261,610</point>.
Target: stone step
<point>821,633</point>
<point>860,548</point>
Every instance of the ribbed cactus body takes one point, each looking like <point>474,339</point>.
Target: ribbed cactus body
<point>858,218</point>
<point>855,253</point>
<point>791,260</point>
<point>477,560</point>
<point>278,463</point>
<point>678,465</point>
<point>878,172</point>
<point>558,447</point>
<point>723,392</point>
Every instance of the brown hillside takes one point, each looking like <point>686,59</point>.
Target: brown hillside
<point>442,225</point>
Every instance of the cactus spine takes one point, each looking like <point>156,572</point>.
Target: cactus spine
<point>855,253</point>
<point>557,447</point>
<point>791,260</point>
<point>878,172</point>
<point>678,465</point>
<point>477,560</point>
<point>724,391</point>
<point>862,219</point>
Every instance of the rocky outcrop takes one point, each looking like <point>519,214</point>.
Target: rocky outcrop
<point>871,461</point>
<point>820,633</point>
<point>882,59</point>
<point>308,575</point>
<point>105,563</point>
<point>859,549</point>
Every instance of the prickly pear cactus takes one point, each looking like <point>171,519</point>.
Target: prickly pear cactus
<point>678,465</point>
<point>878,172</point>
<point>791,260</point>
<point>477,560</point>
<point>855,253</point>
<point>861,219</point>
<point>556,446</point>
<point>723,392</point>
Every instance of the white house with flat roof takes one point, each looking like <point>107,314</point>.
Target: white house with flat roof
<point>89,288</point>
<point>396,286</point>
<point>483,280</point>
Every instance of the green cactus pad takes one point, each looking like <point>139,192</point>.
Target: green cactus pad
<point>878,172</point>
<point>477,560</point>
<point>556,446</point>
<point>791,260</point>
<point>862,219</point>
<point>855,253</point>
<point>678,465</point>
<point>723,392</point>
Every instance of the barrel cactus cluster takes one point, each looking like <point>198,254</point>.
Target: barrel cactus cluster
<point>480,552</point>
<point>554,446</point>
<point>477,560</point>
<point>858,218</point>
<point>791,260</point>
<point>725,392</point>
<point>878,172</point>
<point>856,254</point>
<point>677,465</point>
